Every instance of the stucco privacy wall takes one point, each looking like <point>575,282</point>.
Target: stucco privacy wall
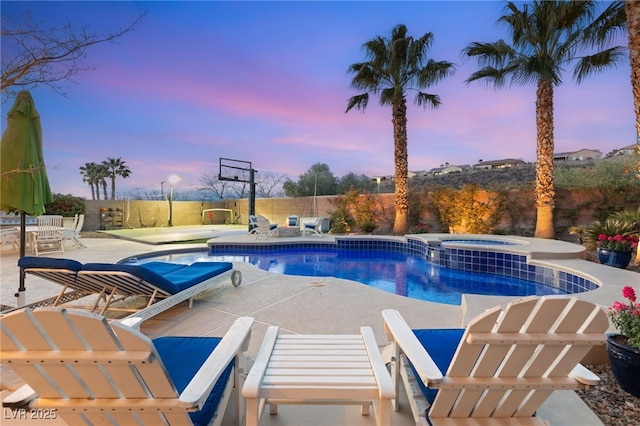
<point>144,213</point>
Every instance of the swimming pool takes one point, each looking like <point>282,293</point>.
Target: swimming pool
<point>410,269</point>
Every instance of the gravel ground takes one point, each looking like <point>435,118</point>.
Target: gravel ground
<point>609,402</point>
<point>614,406</point>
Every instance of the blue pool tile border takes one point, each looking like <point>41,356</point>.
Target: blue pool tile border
<point>471,259</point>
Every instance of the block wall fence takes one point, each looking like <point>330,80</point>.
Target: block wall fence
<point>146,213</point>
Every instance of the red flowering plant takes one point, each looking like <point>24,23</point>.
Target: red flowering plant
<point>626,318</point>
<point>618,242</point>
<point>420,228</point>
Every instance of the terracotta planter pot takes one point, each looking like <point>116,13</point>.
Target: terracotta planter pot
<point>625,363</point>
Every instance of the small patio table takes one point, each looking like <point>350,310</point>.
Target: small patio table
<point>319,369</point>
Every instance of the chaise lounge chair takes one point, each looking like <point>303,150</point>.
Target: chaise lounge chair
<point>263,227</point>
<point>163,284</point>
<point>501,367</point>
<point>89,371</point>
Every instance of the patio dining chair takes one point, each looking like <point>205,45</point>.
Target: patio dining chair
<point>73,233</point>
<point>9,237</point>
<point>264,227</point>
<point>313,228</point>
<point>48,237</point>
<point>501,367</point>
<point>92,371</point>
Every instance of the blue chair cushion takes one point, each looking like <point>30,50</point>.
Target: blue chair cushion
<point>441,344</point>
<point>49,263</point>
<point>175,278</point>
<point>183,357</point>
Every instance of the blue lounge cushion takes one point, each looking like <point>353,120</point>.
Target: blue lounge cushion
<point>163,268</point>
<point>441,344</point>
<point>183,357</point>
<point>33,262</point>
<point>138,271</point>
<point>178,278</point>
<point>196,273</point>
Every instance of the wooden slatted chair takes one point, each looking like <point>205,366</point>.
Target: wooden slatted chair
<point>65,273</point>
<point>48,238</point>
<point>501,367</point>
<point>95,372</point>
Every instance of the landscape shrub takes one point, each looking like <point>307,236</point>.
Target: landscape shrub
<point>65,205</point>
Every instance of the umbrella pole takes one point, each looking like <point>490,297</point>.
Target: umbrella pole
<point>22,289</point>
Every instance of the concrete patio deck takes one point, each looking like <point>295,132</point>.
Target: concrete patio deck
<point>305,305</point>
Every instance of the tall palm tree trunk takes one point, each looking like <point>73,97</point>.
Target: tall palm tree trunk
<point>399,111</point>
<point>632,9</point>
<point>545,191</point>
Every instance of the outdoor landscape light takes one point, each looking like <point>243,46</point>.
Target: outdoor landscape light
<point>173,179</point>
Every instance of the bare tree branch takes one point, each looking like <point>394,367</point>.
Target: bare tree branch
<point>35,54</point>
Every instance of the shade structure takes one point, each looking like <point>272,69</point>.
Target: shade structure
<point>24,186</point>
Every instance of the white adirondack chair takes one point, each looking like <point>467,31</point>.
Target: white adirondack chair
<point>502,367</point>
<point>95,372</point>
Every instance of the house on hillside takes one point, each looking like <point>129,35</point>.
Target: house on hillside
<point>498,164</point>
<point>444,170</point>
<point>627,150</point>
<point>581,155</point>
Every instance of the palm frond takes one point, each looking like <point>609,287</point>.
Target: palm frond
<point>598,62</point>
<point>358,102</point>
<point>427,99</point>
<point>609,24</point>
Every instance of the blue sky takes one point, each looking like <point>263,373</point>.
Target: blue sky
<point>267,82</point>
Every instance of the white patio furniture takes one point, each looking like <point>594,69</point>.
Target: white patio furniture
<point>501,367</point>
<point>48,237</point>
<point>318,369</point>
<point>73,233</point>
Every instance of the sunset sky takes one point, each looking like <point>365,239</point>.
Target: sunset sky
<point>267,82</point>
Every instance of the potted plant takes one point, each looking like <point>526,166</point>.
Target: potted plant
<point>623,348</point>
<point>616,250</point>
<point>615,238</point>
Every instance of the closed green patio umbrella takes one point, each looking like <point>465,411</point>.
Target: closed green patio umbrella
<point>24,186</point>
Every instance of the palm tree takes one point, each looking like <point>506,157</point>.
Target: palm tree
<point>394,66</point>
<point>545,37</point>
<point>102,173</point>
<point>632,9</point>
<point>116,167</point>
<point>89,175</point>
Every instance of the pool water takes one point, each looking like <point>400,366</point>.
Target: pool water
<point>395,272</point>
